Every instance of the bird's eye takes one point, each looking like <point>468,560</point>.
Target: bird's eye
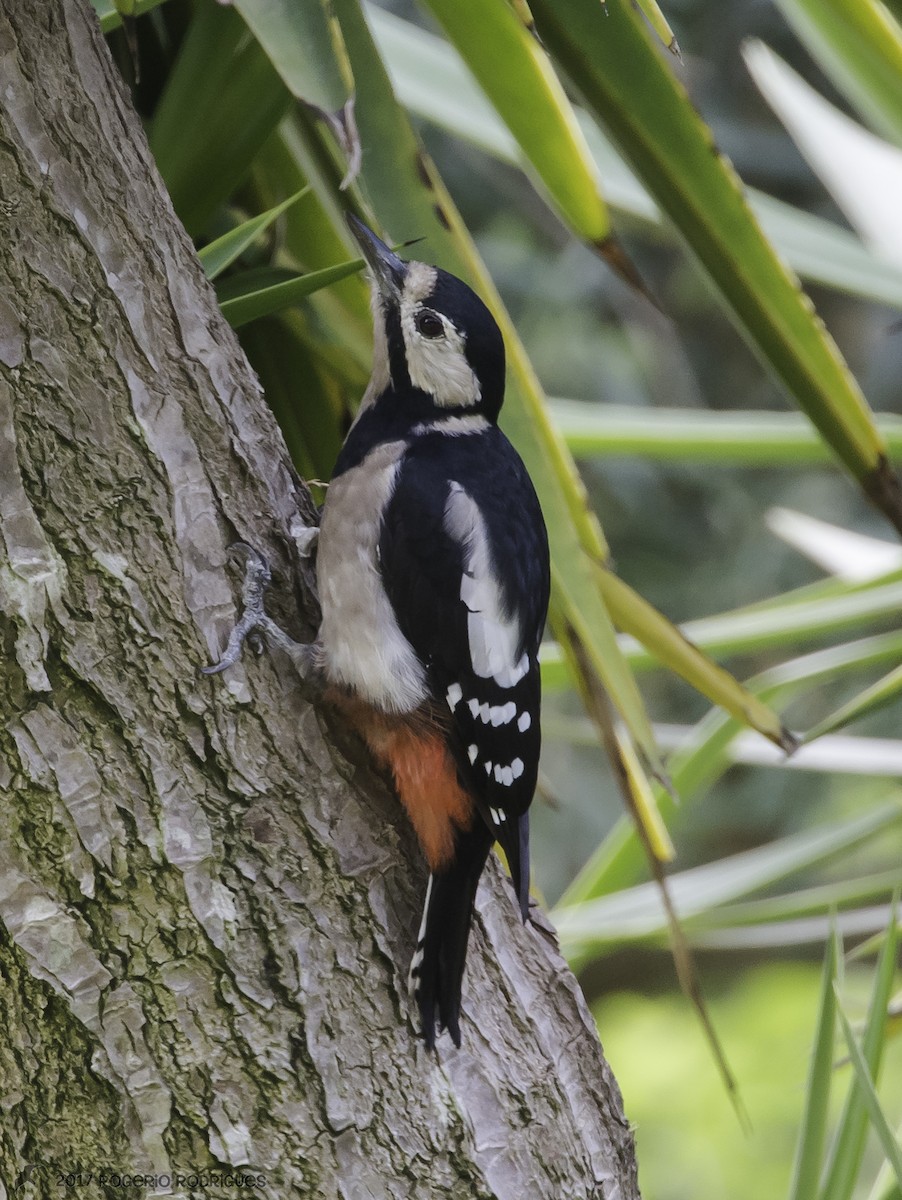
<point>428,324</point>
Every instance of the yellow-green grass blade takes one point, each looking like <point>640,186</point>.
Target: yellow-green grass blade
<point>618,860</point>
<point>876,1115</point>
<point>629,773</point>
<point>876,696</point>
<point>810,612</point>
<point>433,82</point>
<point>241,306</point>
<point>813,1132</point>
<point>403,187</point>
<point>303,42</point>
<point>798,621</point>
<point>650,829</point>
<point>885,1185</point>
<point>111,18</point>
<point>587,646</point>
<point>303,388</point>
<point>309,242</point>
<point>524,14</point>
<point>825,254</point>
<point>625,83</point>
<point>221,101</point>
<point>886,1188</point>
<point>822,589</point>
<point>590,926</point>
<point>334,326</point>
<point>660,25</point>
<point>513,70</point>
<point>818,901</point>
<point>633,614</point>
<point>835,755</point>
<point>869,946</point>
<point>220,254</point>
<point>731,632</point>
<point>760,439</point>
<point>844,1161</point>
<point>858,43</point>
<point>645,801</point>
<point>310,239</point>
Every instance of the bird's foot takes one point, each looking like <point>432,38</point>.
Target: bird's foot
<point>254,625</point>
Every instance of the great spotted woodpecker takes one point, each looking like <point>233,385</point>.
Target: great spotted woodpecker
<point>433,578</point>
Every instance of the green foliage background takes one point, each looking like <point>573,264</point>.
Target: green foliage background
<point>680,417</point>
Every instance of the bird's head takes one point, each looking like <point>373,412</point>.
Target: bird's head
<point>432,334</point>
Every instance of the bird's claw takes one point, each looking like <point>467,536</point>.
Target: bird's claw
<point>254,626</point>
<point>253,619</point>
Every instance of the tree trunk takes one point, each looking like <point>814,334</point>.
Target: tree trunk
<point>207,908</point>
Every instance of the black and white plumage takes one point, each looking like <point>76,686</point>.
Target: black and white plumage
<point>433,576</point>
<point>460,509</point>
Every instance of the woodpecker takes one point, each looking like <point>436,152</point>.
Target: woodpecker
<point>433,576</point>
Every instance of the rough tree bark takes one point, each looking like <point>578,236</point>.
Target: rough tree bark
<point>206,907</point>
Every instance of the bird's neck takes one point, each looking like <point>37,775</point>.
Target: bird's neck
<point>400,414</point>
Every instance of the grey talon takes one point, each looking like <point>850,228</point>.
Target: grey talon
<point>254,626</point>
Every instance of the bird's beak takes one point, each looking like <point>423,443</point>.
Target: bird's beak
<point>388,270</point>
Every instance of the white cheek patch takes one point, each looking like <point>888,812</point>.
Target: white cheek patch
<point>494,635</point>
<point>438,366</point>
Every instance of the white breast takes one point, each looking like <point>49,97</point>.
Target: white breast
<point>361,645</point>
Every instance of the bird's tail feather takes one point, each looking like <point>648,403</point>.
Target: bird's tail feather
<point>514,838</point>
<point>436,972</point>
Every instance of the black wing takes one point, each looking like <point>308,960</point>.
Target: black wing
<point>464,558</point>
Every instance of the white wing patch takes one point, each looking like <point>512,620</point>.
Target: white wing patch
<point>503,714</point>
<point>494,635</point>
